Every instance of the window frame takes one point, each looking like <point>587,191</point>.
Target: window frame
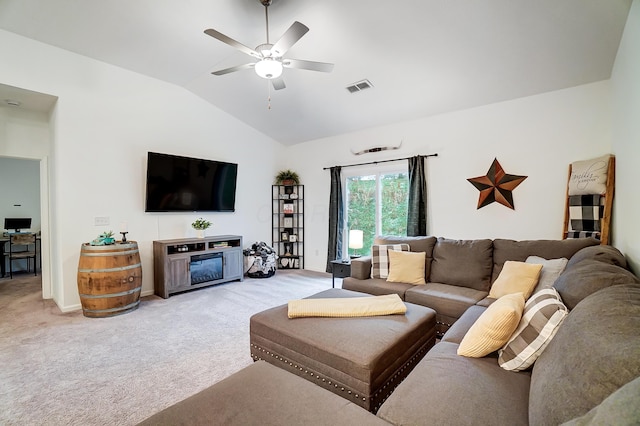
<point>377,170</point>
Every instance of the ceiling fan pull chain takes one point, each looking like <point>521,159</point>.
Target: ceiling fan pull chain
<point>268,95</point>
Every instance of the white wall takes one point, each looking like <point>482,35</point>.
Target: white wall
<point>537,136</point>
<point>105,121</point>
<point>23,134</point>
<point>625,82</point>
<point>20,190</point>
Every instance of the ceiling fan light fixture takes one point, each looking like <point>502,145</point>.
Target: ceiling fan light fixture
<point>269,68</point>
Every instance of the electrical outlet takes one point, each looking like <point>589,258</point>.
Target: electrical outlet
<point>101,221</point>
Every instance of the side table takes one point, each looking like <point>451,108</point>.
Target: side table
<point>340,269</point>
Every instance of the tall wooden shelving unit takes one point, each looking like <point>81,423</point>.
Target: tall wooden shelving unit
<point>287,225</point>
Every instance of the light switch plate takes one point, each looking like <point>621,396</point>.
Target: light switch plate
<point>101,221</point>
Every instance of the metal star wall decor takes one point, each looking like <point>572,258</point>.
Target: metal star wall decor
<point>496,185</point>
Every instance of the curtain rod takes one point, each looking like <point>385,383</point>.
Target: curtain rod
<point>381,161</point>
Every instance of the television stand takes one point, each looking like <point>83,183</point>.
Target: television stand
<point>189,263</point>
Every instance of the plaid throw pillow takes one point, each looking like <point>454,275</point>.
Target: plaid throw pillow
<point>543,314</point>
<point>585,212</point>
<point>380,259</point>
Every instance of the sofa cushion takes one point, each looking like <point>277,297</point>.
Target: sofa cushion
<point>380,258</point>
<point>594,353</point>
<point>504,250</point>
<point>457,331</point>
<point>265,394</point>
<point>516,277</point>
<point>486,302</point>
<point>601,253</point>
<point>494,327</point>
<point>447,389</point>
<point>449,300</point>
<point>551,270</point>
<point>620,408</point>
<point>416,244</point>
<point>543,314</point>
<point>376,286</point>
<point>584,278</point>
<point>465,263</point>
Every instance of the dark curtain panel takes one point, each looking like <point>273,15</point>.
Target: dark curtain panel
<point>417,210</point>
<point>336,218</point>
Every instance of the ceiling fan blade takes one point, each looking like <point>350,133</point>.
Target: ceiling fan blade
<point>231,42</point>
<point>289,38</point>
<point>233,69</point>
<point>307,65</point>
<point>278,83</point>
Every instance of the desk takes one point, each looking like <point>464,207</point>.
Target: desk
<point>339,269</point>
<point>3,241</point>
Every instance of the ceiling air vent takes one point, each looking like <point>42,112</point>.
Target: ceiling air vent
<point>359,86</point>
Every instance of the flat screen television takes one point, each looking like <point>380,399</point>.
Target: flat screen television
<point>17,223</point>
<point>181,184</point>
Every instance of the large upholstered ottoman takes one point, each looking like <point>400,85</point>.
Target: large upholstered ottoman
<point>361,359</point>
<point>282,399</point>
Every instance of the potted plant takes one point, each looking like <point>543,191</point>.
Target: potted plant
<point>200,225</point>
<point>287,177</point>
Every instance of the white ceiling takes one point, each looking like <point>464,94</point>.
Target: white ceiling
<point>423,57</point>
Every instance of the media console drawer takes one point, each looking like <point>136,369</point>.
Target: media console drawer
<point>190,263</point>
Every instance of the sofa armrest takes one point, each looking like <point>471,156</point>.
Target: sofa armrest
<point>361,267</point>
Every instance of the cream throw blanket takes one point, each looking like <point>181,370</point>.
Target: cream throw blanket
<point>347,307</point>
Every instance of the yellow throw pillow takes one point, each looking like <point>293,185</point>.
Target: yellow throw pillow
<point>494,327</point>
<point>516,277</point>
<point>406,267</point>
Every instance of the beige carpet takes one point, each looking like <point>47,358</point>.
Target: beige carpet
<point>65,369</point>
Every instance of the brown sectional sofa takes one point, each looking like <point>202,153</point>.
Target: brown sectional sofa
<point>459,273</point>
<point>578,378</point>
<point>588,374</point>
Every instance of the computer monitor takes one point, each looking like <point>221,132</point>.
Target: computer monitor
<point>17,223</point>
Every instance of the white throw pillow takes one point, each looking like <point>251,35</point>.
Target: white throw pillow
<point>589,176</point>
<point>551,270</point>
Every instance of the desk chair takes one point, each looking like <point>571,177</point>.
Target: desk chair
<point>19,248</point>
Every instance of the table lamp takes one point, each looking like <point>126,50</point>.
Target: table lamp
<point>355,241</point>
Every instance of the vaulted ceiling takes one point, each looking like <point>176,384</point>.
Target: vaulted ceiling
<point>423,57</point>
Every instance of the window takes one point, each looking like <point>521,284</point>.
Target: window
<point>376,203</point>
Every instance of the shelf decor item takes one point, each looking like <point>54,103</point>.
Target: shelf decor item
<point>200,225</point>
<point>104,239</point>
<point>287,208</point>
<point>287,177</point>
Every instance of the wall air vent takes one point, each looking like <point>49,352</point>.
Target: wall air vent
<point>359,86</point>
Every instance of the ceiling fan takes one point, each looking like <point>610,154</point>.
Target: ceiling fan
<point>270,56</point>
